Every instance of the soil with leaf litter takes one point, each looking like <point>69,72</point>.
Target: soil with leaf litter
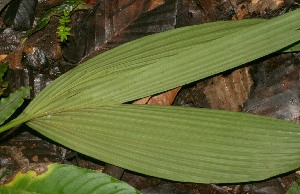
<point>268,86</point>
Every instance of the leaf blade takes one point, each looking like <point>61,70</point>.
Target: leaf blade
<point>3,68</point>
<point>295,188</point>
<point>109,65</point>
<point>182,144</point>
<point>3,85</point>
<point>53,112</point>
<point>12,102</point>
<point>199,61</point>
<point>52,178</point>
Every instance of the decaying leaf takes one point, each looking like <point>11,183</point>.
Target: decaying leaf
<point>165,98</point>
<point>262,5</point>
<point>229,92</point>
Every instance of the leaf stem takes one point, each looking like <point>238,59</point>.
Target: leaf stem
<point>13,123</point>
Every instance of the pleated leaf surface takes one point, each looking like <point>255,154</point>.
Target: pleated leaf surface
<point>182,144</point>
<point>161,62</point>
<point>82,109</point>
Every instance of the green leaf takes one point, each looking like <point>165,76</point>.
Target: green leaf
<point>64,20</point>
<point>98,73</point>
<point>66,14</point>
<point>63,29</point>
<point>3,68</point>
<point>11,103</point>
<point>42,22</point>
<point>67,179</point>
<point>82,109</point>
<point>3,85</point>
<point>293,48</point>
<point>179,143</point>
<point>295,188</point>
<point>161,62</point>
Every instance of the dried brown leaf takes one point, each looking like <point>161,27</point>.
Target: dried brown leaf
<point>154,4</point>
<point>2,57</point>
<point>166,98</point>
<point>229,92</point>
<point>142,100</point>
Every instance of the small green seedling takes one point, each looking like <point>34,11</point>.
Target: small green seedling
<point>63,31</point>
<point>63,11</point>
